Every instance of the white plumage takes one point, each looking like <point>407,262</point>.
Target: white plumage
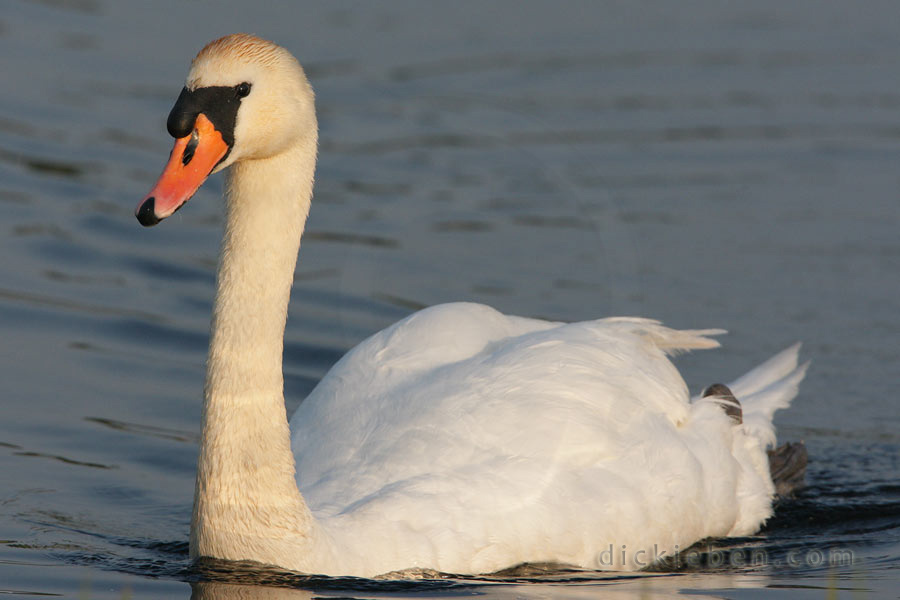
<point>467,441</point>
<point>459,439</point>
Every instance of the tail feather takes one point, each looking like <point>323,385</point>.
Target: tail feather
<point>777,367</point>
<point>676,341</point>
<point>778,394</point>
<point>670,341</point>
<point>767,388</point>
<point>772,385</point>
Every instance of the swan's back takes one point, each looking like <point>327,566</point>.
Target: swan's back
<point>482,440</point>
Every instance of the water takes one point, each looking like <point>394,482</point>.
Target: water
<point>707,164</point>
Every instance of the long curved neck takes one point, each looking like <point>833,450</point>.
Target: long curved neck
<point>267,202</point>
<point>246,500</point>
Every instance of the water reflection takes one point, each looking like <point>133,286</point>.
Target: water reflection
<point>624,587</point>
<point>139,429</point>
<point>340,237</point>
<point>227,591</point>
<point>43,165</point>
<point>63,459</point>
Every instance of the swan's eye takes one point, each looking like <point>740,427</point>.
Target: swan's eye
<point>242,89</point>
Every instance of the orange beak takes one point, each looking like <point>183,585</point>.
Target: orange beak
<point>193,158</point>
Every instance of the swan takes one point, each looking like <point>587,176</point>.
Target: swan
<point>459,439</point>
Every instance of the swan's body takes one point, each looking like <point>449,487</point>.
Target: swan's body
<point>458,439</point>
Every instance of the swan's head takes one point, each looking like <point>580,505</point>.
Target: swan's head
<point>245,99</point>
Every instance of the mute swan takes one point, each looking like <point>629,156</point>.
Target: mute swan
<point>459,439</point>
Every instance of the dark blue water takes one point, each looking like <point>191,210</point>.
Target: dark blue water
<point>708,164</point>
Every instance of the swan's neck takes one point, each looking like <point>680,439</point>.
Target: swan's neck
<point>267,202</point>
<point>246,502</point>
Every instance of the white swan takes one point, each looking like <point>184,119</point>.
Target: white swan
<point>459,439</point>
